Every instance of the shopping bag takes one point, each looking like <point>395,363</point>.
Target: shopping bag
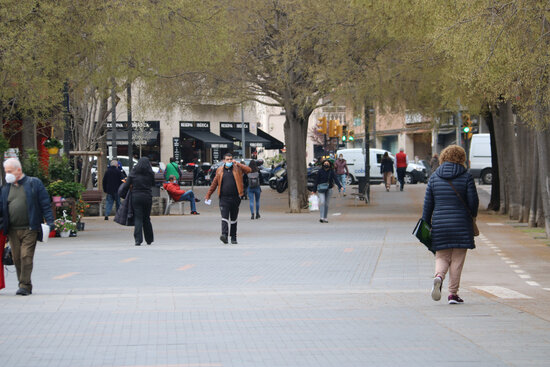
<point>45,232</point>
<point>423,231</point>
<point>313,203</point>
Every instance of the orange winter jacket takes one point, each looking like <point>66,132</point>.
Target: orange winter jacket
<point>174,190</point>
<point>238,171</point>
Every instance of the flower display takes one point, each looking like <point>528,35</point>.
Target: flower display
<point>53,143</point>
<point>64,225</point>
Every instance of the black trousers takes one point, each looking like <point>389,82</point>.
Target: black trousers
<point>229,208</point>
<point>142,218</point>
<point>401,177</point>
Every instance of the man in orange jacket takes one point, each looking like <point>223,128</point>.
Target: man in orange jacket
<point>229,181</point>
<point>177,194</point>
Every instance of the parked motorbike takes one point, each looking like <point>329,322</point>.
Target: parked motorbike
<point>281,181</point>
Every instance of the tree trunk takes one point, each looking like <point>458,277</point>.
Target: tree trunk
<point>544,178</point>
<point>534,183</point>
<point>494,203</point>
<point>500,146</point>
<point>295,139</point>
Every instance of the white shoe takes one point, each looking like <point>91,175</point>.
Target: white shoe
<point>436,289</point>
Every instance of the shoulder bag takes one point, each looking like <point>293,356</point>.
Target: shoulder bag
<point>474,224</point>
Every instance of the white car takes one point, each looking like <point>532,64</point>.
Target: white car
<point>123,159</point>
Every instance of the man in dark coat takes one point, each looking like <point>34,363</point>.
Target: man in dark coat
<point>450,205</point>
<point>24,205</point>
<point>111,182</point>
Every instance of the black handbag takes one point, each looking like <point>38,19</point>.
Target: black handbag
<point>125,213</point>
<point>423,231</point>
<point>7,257</point>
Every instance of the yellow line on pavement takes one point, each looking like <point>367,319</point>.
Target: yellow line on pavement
<point>63,276</point>
<point>130,259</point>
<point>186,267</point>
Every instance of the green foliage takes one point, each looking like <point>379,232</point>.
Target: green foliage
<point>64,225</point>
<point>65,189</point>
<point>32,167</point>
<point>53,143</point>
<point>4,144</point>
<point>60,169</point>
<point>275,160</point>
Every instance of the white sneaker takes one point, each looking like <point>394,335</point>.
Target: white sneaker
<point>436,289</point>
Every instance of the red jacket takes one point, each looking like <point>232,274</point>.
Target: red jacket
<point>174,190</point>
<point>401,159</point>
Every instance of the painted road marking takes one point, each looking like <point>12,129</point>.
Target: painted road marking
<point>186,267</point>
<point>63,253</point>
<point>509,262</point>
<point>336,214</point>
<point>495,224</point>
<point>349,249</point>
<point>519,271</point>
<point>130,259</point>
<point>254,279</point>
<point>502,292</point>
<point>63,276</point>
<point>525,276</point>
<point>306,264</point>
<point>534,284</point>
<point>546,289</point>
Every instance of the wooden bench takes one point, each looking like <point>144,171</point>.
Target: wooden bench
<point>170,202</point>
<point>93,197</point>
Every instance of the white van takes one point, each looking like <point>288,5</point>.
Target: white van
<point>480,158</point>
<point>356,166</point>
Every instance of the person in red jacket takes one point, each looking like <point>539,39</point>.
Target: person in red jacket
<point>401,165</point>
<point>177,194</point>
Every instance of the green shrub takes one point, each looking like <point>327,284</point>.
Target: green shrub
<point>32,167</point>
<point>60,169</point>
<point>65,189</point>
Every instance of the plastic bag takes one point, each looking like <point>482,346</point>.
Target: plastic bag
<point>313,203</point>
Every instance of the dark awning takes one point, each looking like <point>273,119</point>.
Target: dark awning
<point>250,139</point>
<point>150,137</point>
<point>212,140</point>
<point>273,143</point>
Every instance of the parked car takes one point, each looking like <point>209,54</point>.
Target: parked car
<point>123,159</point>
<point>480,158</point>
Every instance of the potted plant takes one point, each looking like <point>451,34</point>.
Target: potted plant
<point>81,207</point>
<point>53,145</point>
<point>64,227</point>
<point>65,189</point>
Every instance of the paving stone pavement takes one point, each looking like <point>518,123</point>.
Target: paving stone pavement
<point>293,292</point>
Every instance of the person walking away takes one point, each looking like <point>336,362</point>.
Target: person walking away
<point>401,165</point>
<point>172,169</point>
<point>25,204</point>
<point>141,179</point>
<point>450,205</point>
<point>177,194</point>
<point>229,181</point>
<point>434,163</point>
<point>326,178</point>
<point>342,172</point>
<point>386,169</point>
<point>111,182</point>
<point>254,188</point>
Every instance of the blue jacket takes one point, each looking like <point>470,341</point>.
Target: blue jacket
<point>38,204</point>
<point>452,225</point>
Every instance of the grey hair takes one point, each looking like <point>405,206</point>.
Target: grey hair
<point>13,162</point>
<point>114,163</point>
<point>401,149</point>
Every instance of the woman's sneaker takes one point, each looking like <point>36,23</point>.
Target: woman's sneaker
<point>436,289</point>
<point>454,299</point>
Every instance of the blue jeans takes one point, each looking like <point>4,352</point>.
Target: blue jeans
<point>254,196</point>
<point>342,179</point>
<point>109,201</point>
<point>189,196</point>
<point>324,199</point>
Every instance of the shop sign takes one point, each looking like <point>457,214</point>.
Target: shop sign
<point>256,145</point>
<point>215,146</point>
<point>176,148</point>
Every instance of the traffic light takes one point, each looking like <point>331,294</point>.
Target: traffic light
<point>343,130</point>
<point>351,135</point>
<point>467,126</point>
<point>322,125</point>
<point>333,128</point>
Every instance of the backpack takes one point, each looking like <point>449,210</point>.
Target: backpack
<point>254,180</point>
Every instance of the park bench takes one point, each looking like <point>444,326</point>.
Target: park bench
<point>93,197</point>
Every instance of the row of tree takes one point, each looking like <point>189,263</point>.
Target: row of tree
<point>429,55</point>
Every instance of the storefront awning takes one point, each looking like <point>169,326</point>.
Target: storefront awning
<point>250,139</point>
<point>150,137</point>
<point>211,140</point>
<point>273,143</point>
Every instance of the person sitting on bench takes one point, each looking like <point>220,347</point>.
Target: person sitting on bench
<point>177,194</point>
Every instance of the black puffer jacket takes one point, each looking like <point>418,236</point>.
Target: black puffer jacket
<point>451,223</point>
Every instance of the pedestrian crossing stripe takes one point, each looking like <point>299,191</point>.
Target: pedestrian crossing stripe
<point>502,292</point>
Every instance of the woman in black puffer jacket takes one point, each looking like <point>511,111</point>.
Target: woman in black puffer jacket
<point>451,218</point>
<point>142,179</point>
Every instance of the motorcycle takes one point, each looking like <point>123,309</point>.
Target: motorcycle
<point>279,181</point>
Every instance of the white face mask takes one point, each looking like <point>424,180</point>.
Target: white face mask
<point>10,178</point>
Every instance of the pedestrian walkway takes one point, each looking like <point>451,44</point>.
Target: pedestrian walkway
<point>294,292</point>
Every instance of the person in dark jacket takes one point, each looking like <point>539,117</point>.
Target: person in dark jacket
<point>451,217</point>
<point>24,205</point>
<point>386,169</point>
<point>141,179</point>
<point>111,182</point>
<point>254,189</point>
<point>326,178</point>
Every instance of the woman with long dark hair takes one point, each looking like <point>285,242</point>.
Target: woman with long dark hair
<point>141,180</point>
<point>254,188</point>
<point>326,178</point>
